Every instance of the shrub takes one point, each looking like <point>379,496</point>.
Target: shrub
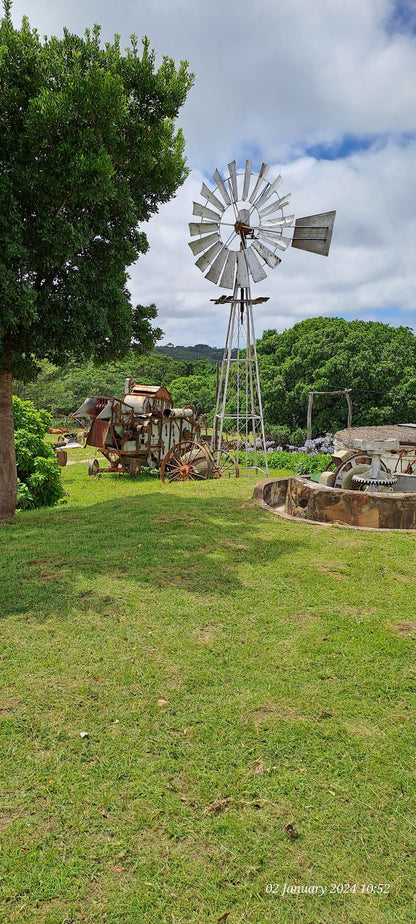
<point>298,436</point>
<point>280,435</point>
<point>301,463</point>
<point>38,473</point>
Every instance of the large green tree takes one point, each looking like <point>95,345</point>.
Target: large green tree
<point>376,361</point>
<point>88,150</point>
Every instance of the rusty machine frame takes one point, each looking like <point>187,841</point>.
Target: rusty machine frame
<point>143,428</point>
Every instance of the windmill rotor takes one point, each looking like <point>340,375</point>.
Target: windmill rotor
<point>245,212</point>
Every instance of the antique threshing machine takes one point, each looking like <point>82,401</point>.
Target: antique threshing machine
<point>145,429</point>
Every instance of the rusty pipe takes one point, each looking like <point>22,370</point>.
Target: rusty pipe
<point>174,413</point>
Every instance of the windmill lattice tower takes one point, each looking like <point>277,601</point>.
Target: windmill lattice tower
<point>242,226</point>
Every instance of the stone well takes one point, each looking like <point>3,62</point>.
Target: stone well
<point>298,497</point>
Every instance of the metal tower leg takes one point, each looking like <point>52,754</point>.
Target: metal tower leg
<point>239,405</point>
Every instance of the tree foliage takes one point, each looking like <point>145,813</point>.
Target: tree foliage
<point>88,151</point>
<point>39,476</point>
<point>377,361</point>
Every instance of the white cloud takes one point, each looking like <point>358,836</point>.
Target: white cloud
<point>370,266</point>
<point>272,80</point>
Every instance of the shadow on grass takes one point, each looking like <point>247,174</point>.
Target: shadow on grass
<point>154,540</point>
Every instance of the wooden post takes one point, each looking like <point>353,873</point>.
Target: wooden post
<point>309,418</point>
<point>349,402</point>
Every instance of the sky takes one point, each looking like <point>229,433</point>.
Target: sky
<point>324,91</point>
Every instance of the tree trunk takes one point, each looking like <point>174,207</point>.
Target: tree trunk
<point>8,476</point>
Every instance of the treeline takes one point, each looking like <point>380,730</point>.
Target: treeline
<point>192,353</point>
<point>377,361</point>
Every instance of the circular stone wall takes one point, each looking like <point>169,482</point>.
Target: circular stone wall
<point>304,499</point>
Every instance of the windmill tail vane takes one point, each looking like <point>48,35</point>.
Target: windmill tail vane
<point>242,227</point>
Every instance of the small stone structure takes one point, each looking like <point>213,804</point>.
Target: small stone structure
<point>360,491</point>
<point>298,497</point>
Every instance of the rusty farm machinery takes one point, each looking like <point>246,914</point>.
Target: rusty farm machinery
<point>144,429</point>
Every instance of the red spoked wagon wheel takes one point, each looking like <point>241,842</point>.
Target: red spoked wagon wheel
<point>187,461</point>
<point>226,465</point>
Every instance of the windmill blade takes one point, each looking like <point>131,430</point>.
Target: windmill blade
<point>204,261</point>
<point>203,243</point>
<point>278,204</point>
<point>227,278</point>
<point>221,187</point>
<point>233,181</point>
<point>203,212</point>
<point>242,278</point>
<point>267,255</point>
<point>262,173</point>
<point>265,195</point>
<point>207,194</point>
<point>204,228</point>
<point>272,237</point>
<point>247,178</point>
<point>254,265</point>
<point>285,222</point>
<point>314,233</point>
<point>215,272</point>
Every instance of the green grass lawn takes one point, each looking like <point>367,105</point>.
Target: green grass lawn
<point>184,675</point>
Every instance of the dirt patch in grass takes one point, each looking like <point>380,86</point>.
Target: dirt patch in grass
<point>266,711</point>
<point>7,817</point>
<point>48,569</point>
<point>405,629</point>
<point>206,635</point>
<point>9,706</point>
<point>336,570</point>
<point>175,518</point>
<point>363,730</point>
<point>233,546</point>
<point>301,617</point>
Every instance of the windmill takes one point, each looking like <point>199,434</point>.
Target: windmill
<point>241,228</point>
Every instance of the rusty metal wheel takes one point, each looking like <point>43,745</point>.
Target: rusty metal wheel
<point>134,468</point>
<point>61,457</point>
<point>355,464</point>
<point>93,467</point>
<point>187,461</point>
<point>226,465</point>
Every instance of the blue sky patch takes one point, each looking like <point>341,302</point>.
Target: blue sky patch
<point>343,147</point>
<point>402,17</point>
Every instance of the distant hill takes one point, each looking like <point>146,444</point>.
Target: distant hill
<point>192,353</point>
